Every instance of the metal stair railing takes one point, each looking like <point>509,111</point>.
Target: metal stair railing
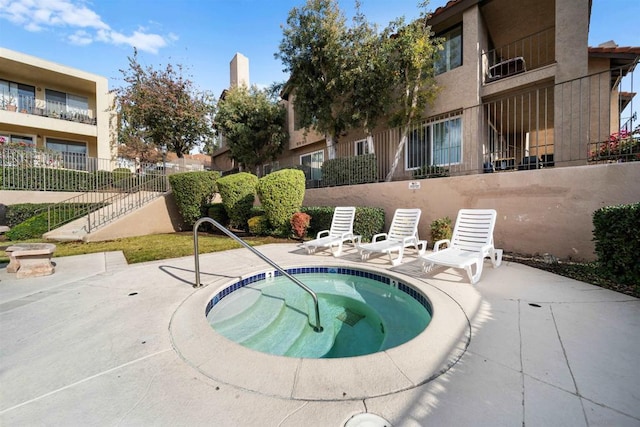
<point>111,203</point>
<point>316,328</point>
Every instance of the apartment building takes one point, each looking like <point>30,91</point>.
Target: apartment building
<point>52,106</point>
<point>520,90</point>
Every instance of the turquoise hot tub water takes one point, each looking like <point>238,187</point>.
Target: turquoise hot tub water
<point>361,312</point>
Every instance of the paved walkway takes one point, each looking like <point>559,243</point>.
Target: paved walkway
<point>95,344</point>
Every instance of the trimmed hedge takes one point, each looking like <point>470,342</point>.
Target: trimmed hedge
<point>281,194</point>
<point>320,218</point>
<point>258,225</point>
<point>36,218</point>
<point>238,192</point>
<point>430,171</point>
<point>49,179</point>
<point>192,192</point>
<point>21,212</point>
<point>617,242</point>
<point>217,212</point>
<point>350,170</point>
<point>368,221</point>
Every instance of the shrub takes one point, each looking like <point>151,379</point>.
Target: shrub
<point>300,224</point>
<point>617,242</point>
<point>49,179</point>
<point>238,193</point>
<point>350,170</point>
<point>19,213</point>
<point>217,212</point>
<point>258,225</point>
<point>123,178</point>
<point>368,221</point>
<point>32,228</point>
<point>320,218</point>
<point>281,194</point>
<point>192,192</point>
<point>102,179</point>
<point>256,211</point>
<point>441,229</point>
<point>35,226</point>
<point>430,171</point>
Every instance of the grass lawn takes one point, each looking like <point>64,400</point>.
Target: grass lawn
<point>152,247</point>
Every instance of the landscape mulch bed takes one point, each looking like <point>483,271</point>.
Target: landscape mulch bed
<point>585,272</point>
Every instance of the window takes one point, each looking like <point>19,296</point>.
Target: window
<point>26,97</point>
<point>74,154</point>
<point>417,147</point>
<point>17,140</point>
<point>270,167</point>
<point>8,94</point>
<point>363,147</point>
<point>60,103</point>
<point>311,165</point>
<point>447,142</point>
<point>22,149</point>
<point>17,95</point>
<point>451,56</point>
<point>435,143</point>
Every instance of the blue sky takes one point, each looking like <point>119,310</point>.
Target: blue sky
<point>203,35</point>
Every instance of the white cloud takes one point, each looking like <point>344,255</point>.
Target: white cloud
<point>86,24</point>
<point>81,38</point>
<point>143,41</point>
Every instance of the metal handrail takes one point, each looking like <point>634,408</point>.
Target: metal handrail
<point>105,198</point>
<point>317,327</point>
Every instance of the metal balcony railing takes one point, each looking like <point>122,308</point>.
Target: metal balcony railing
<point>528,53</point>
<point>558,125</point>
<point>45,108</point>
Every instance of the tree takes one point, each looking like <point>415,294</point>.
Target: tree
<point>162,108</point>
<point>412,51</point>
<point>373,79</point>
<point>346,77</point>
<point>254,125</point>
<point>314,52</point>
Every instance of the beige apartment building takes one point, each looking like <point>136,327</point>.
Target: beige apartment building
<point>52,106</point>
<point>520,90</point>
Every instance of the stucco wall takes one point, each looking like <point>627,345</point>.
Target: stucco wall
<point>16,197</point>
<point>539,211</point>
<point>159,216</point>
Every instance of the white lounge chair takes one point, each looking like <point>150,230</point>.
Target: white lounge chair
<point>341,231</point>
<point>470,244</point>
<point>403,232</point>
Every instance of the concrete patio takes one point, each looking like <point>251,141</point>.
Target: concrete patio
<point>100,342</point>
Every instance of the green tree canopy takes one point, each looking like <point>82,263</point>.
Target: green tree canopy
<point>254,125</point>
<point>411,50</point>
<point>161,107</point>
<point>314,52</point>
<point>346,77</point>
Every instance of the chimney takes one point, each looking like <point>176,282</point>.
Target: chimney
<point>239,70</point>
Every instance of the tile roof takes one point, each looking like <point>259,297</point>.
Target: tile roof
<point>617,50</point>
<point>441,9</point>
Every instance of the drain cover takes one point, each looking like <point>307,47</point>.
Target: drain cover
<point>367,420</point>
<point>349,317</point>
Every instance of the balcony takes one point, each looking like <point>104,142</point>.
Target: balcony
<point>529,53</point>
<point>57,110</point>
